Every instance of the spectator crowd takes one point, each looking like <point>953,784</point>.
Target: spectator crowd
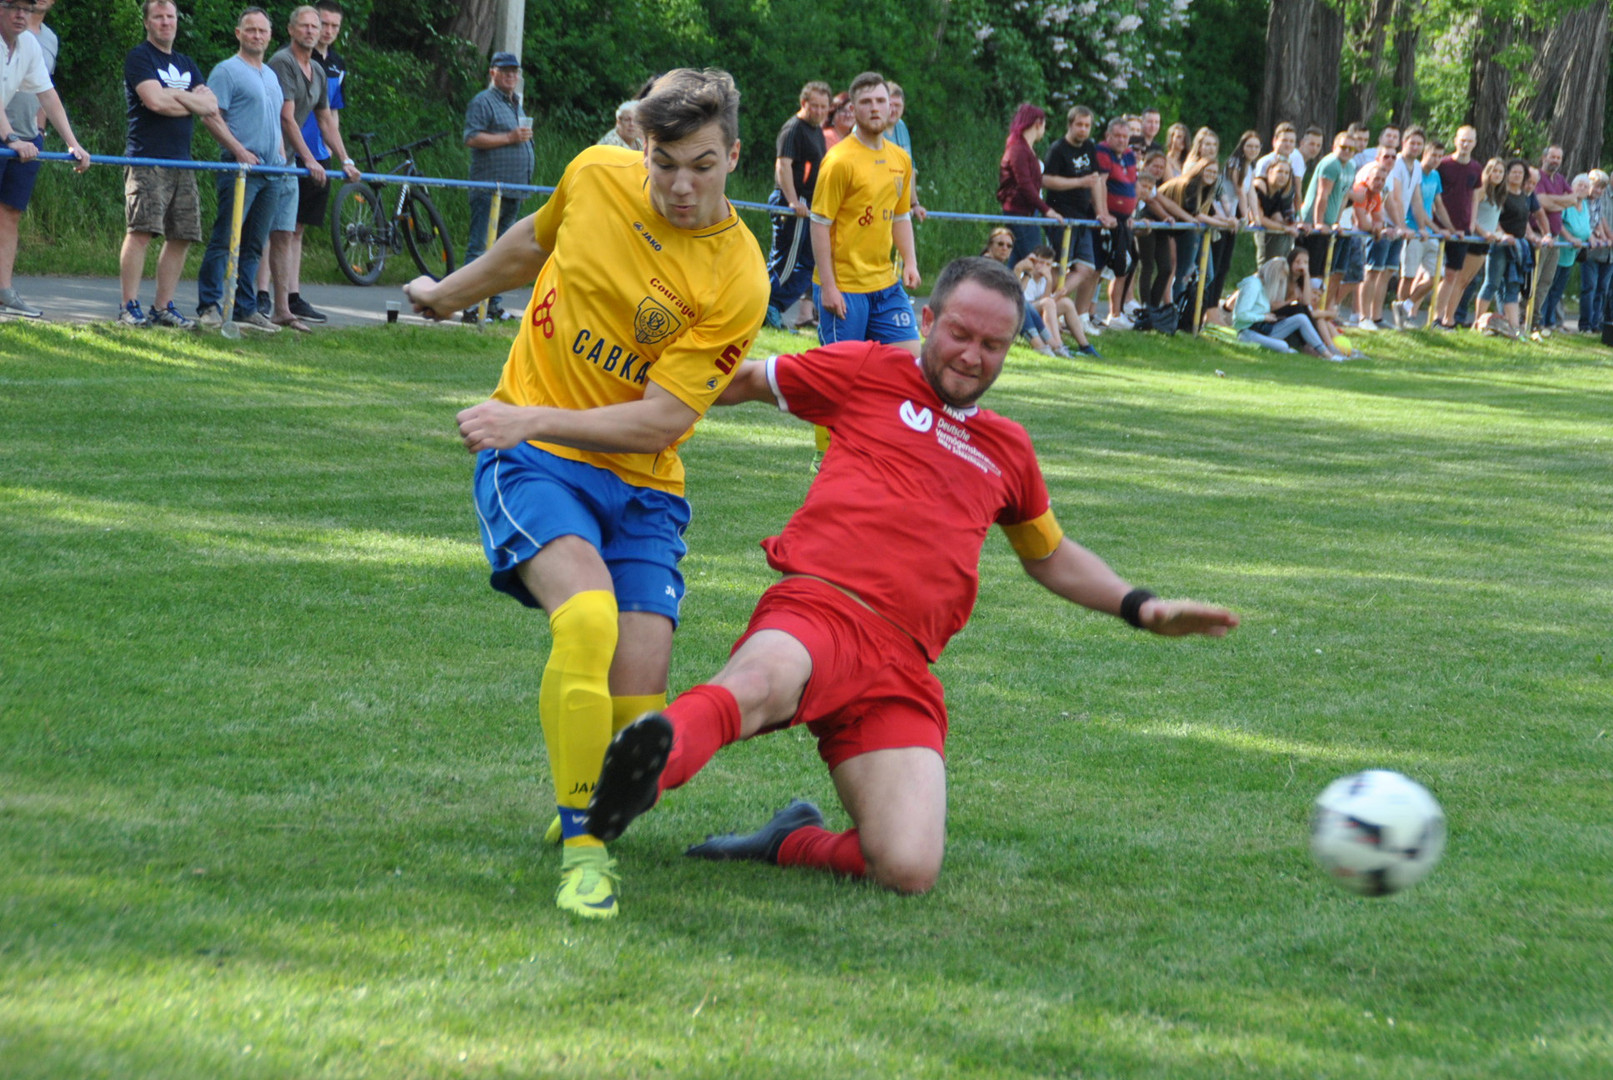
<point>1120,225</point>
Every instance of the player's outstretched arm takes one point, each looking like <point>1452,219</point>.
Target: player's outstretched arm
<point>647,426</point>
<point>1082,578</point>
<point>513,260</point>
<point>749,384</point>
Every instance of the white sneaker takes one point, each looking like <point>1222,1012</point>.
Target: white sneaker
<point>1365,326</point>
<point>1131,308</point>
<point>1119,322</point>
<point>1090,325</point>
<point>210,317</point>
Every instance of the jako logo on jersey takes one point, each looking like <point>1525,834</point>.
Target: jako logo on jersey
<point>654,321</point>
<point>638,226</point>
<point>919,419</point>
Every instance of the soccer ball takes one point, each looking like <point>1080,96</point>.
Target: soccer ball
<point>1377,832</point>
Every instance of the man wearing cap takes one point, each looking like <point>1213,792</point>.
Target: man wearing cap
<point>500,141</point>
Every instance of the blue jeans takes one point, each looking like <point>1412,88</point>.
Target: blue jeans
<point>1550,316</point>
<point>1026,239</point>
<point>481,208</point>
<point>790,261</point>
<point>1503,273</point>
<point>1594,281</point>
<point>260,204</point>
<point>1187,260</point>
<point>1273,335</point>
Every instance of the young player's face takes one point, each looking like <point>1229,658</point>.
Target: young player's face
<point>898,107</point>
<point>687,177</point>
<point>1412,147</point>
<point>1150,125</point>
<point>1285,143</point>
<point>330,28</point>
<point>964,345</point>
<point>1466,140</point>
<point>1310,145</point>
<point>872,107</point>
<point>1080,130</point>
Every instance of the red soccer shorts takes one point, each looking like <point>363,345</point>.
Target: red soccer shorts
<point>870,688</point>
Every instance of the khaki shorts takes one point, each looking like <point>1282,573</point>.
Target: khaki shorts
<point>161,200</point>
<point>1418,255</point>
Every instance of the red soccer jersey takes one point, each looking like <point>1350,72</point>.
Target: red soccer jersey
<point>910,486</point>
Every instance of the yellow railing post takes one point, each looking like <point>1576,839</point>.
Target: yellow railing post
<point>233,266</point>
<point>492,237</point>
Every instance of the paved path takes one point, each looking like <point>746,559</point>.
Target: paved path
<point>79,299</point>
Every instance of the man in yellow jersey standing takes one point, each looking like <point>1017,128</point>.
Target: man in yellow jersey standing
<point>649,291</point>
<point>860,208</point>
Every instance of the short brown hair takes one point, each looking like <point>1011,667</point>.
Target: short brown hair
<point>865,80</point>
<point>816,86</point>
<point>1285,126</point>
<point>684,100</point>
<point>1078,111</point>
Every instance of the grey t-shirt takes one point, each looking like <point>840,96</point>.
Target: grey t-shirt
<point>305,94</point>
<point>24,107</point>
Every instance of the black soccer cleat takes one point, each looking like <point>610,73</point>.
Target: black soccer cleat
<point>629,781</point>
<point>763,844</point>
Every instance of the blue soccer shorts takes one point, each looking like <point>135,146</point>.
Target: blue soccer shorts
<point>527,497</point>
<point>885,316</point>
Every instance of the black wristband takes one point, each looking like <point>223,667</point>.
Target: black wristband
<point>1131,606</point>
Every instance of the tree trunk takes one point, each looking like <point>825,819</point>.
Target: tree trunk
<point>1490,86</point>
<point>1304,39</point>
<point>1405,84</point>
<point>1569,75</point>
<point>1366,46</point>
<point>476,21</point>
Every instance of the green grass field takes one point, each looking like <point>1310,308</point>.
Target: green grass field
<point>272,787</point>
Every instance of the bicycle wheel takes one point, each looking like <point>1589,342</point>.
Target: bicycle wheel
<point>358,232</point>
<point>427,237</point>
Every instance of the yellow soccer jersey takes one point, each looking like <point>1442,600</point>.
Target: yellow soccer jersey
<point>860,194</point>
<point>628,298</point>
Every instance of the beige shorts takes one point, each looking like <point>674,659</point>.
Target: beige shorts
<point>161,200</point>
<point>1417,255</point>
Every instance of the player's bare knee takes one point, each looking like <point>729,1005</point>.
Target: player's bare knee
<point>911,877</point>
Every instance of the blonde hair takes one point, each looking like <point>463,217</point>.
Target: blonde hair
<point>1274,280</point>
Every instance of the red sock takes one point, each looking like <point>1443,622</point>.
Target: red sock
<point>704,719</point>
<point>839,853</point>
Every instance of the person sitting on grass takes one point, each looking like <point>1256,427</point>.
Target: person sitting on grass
<point>1302,298</point>
<point>1048,305</point>
<point>1253,319</point>
<point>999,248</point>
<point>880,570</point>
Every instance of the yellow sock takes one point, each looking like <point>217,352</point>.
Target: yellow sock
<point>574,703</point>
<point>820,437</point>
<point>624,710</point>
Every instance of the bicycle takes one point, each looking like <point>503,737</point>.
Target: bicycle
<point>364,232</point>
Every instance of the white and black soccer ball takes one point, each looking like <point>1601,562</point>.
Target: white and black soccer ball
<point>1377,832</point>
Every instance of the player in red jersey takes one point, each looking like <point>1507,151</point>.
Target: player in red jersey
<point>879,572</point>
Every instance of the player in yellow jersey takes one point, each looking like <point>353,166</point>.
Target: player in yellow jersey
<point>860,209</point>
<point>649,291</point>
